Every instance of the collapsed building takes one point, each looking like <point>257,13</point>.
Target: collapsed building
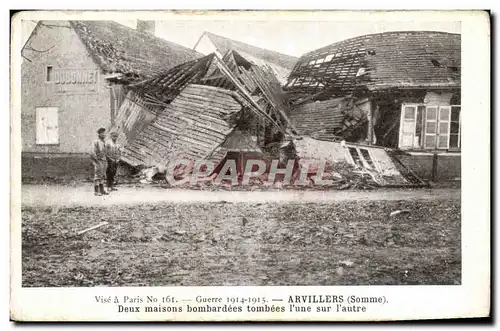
<point>170,102</point>
<point>211,108</point>
<point>218,109</point>
<point>399,90</point>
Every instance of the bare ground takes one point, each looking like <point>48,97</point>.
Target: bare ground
<point>345,242</point>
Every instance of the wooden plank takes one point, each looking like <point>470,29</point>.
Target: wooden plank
<point>193,114</point>
<point>195,141</point>
<point>218,125</point>
<point>221,94</point>
<point>206,105</point>
<point>156,139</point>
<point>206,87</point>
<point>226,103</point>
<point>207,112</point>
<point>192,118</point>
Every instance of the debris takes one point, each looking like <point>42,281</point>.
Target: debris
<point>328,230</point>
<point>179,232</point>
<point>347,263</point>
<point>92,228</point>
<point>397,212</point>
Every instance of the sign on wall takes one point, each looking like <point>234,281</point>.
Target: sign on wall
<point>74,80</point>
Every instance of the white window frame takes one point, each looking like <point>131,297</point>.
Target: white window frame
<point>401,125</point>
<point>424,123</point>
<point>42,135</point>
<point>439,122</point>
<point>459,142</point>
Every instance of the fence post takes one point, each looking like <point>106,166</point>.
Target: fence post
<point>434,166</point>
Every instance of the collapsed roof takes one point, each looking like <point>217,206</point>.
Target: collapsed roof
<point>224,44</point>
<point>281,64</point>
<point>190,110</point>
<point>415,59</point>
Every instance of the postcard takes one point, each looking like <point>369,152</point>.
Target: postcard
<point>250,165</point>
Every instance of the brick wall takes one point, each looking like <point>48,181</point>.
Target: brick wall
<point>51,167</point>
<point>448,166</point>
<point>61,167</point>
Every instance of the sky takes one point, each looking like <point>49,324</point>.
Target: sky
<point>288,37</point>
<point>291,37</point>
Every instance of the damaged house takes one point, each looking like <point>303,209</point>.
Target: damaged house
<point>218,109</point>
<point>209,109</point>
<point>399,90</point>
<point>75,75</point>
<point>280,64</point>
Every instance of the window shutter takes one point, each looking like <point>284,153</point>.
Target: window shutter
<point>444,127</point>
<point>455,127</point>
<point>431,114</point>
<point>408,125</point>
<point>47,130</point>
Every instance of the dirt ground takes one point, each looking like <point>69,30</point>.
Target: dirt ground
<point>338,242</point>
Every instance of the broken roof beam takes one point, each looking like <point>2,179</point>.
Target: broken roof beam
<point>270,97</point>
<point>246,95</point>
<point>168,85</point>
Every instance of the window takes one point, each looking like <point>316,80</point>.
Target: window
<point>429,127</point>
<point>408,127</point>
<point>47,131</point>
<point>49,77</point>
<point>455,121</point>
<point>362,157</point>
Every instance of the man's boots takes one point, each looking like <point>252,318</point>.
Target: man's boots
<point>101,189</point>
<point>96,190</point>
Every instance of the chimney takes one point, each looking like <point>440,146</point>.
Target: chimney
<point>146,27</point>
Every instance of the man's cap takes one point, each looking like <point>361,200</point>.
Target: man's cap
<point>114,134</point>
<point>101,130</point>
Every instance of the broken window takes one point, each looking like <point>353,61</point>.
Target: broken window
<point>362,157</point>
<point>47,131</point>
<point>429,127</point>
<point>355,156</point>
<point>367,158</point>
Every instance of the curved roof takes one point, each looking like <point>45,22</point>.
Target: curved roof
<point>401,59</point>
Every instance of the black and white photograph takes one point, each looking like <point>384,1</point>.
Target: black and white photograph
<point>163,152</point>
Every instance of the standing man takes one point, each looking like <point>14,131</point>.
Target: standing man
<point>113,154</point>
<point>98,157</point>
